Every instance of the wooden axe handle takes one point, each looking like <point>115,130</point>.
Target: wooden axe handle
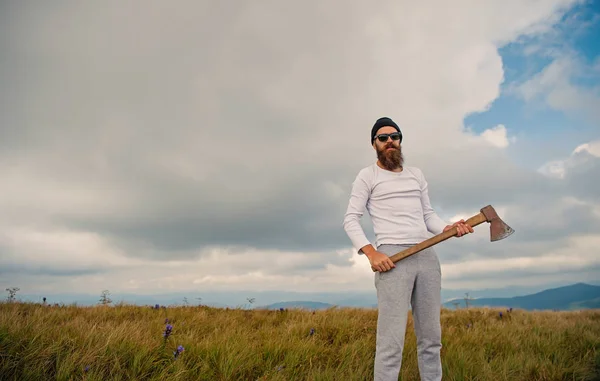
<point>473,221</point>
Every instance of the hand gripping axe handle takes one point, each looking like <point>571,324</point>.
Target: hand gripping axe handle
<point>498,230</point>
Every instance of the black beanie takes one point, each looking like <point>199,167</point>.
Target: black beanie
<point>382,122</point>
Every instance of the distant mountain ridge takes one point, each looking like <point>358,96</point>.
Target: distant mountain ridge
<point>567,297</point>
<point>573,297</point>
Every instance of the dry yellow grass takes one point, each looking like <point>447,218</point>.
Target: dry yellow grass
<point>126,343</point>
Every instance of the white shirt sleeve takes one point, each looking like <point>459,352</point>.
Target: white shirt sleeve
<point>433,222</point>
<point>356,208</point>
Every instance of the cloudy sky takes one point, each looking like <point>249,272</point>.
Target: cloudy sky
<point>150,147</point>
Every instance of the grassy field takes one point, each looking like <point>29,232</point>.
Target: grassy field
<point>127,343</point>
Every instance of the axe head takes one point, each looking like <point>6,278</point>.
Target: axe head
<point>498,228</point>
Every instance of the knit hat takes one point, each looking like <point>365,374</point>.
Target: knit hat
<point>383,122</point>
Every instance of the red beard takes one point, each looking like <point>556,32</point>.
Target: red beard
<point>390,159</point>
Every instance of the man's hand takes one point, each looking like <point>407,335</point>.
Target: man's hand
<point>461,227</point>
<point>379,261</point>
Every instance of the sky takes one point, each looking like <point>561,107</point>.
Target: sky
<point>150,148</point>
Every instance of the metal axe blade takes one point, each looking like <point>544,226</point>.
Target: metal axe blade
<point>498,230</point>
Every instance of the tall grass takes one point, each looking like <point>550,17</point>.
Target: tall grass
<point>126,343</point>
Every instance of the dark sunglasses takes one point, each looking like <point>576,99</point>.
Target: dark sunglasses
<point>384,137</point>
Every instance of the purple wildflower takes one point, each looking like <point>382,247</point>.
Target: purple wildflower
<point>179,350</point>
<point>167,321</point>
<point>156,306</point>
<point>168,331</point>
<point>312,331</point>
<point>87,367</point>
<point>500,314</point>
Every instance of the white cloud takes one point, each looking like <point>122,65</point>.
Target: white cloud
<point>556,86</point>
<point>579,156</point>
<point>593,148</point>
<point>497,136</point>
<point>579,255</point>
<point>555,168</point>
<point>36,249</point>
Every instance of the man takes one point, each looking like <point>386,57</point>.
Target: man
<point>396,197</point>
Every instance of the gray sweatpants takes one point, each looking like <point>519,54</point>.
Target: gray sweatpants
<point>416,280</point>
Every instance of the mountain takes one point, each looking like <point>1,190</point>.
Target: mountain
<point>576,296</point>
<point>504,292</point>
<point>586,304</point>
<point>299,305</point>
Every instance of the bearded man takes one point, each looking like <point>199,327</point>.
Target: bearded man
<point>397,200</point>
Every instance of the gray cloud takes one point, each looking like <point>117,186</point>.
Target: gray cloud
<point>30,269</point>
<point>544,218</point>
<point>181,129</point>
<point>583,175</point>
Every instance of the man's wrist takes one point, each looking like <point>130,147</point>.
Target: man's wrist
<point>368,250</point>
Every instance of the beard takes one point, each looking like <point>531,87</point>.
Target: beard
<point>391,160</point>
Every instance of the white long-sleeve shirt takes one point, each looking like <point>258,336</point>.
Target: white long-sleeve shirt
<point>399,206</point>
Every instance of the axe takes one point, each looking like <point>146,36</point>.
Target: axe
<point>498,230</point>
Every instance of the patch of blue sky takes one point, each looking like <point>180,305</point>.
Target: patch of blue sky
<point>542,132</point>
<point>584,21</point>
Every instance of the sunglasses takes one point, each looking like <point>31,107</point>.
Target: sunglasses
<point>384,137</point>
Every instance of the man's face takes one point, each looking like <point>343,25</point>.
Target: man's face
<point>389,153</point>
